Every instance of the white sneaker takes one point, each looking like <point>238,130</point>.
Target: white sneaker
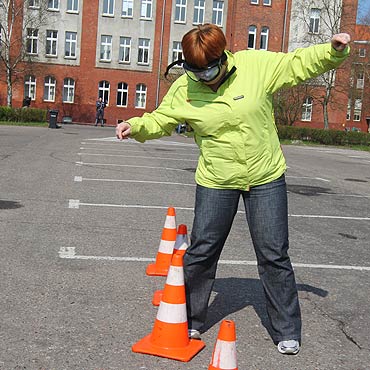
<point>193,334</point>
<point>288,347</point>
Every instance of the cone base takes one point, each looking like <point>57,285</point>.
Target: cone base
<point>183,354</point>
<point>157,297</point>
<point>153,270</point>
<point>211,367</point>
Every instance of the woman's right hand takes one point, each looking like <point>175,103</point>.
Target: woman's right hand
<point>123,130</point>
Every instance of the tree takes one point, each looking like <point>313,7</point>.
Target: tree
<point>20,22</point>
<point>316,21</point>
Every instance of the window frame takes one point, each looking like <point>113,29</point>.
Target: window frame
<point>108,8</point>
<point>218,12</point>
<point>71,5</point>
<point>307,109</point>
<point>314,22</point>
<point>146,9</point>
<point>50,84</point>
<point>104,90</point>
<point>143,52</point>
<point>30,84</point>
<point>140,95</point>
<point>199,11</point>
<point>180,11</point>
<point>54,6</point>
<point>53,41</point>
<point>128,2</point>
<point>254,34</point>
<point>72,45</point>
<point>264,37</point>
<point>122,91</point>
<point>123,47</point>
<point>32,41</point>
<point>106,47</point>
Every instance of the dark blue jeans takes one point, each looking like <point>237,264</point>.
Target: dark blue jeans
<point>267,216</point>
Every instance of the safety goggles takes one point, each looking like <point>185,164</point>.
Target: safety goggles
<point>206,74</point>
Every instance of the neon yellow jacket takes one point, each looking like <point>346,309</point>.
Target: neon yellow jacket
<point>234,127</point>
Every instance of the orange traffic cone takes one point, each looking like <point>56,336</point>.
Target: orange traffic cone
<point>169,337</point>
<point>182,240</point>
<point>181,244</point>
<point>224,353</point>
<point>166,245</point>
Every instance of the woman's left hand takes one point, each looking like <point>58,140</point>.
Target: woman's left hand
<point>340,41</point>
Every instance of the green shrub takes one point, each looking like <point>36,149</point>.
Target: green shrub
<point>22,114</point>
<point>326,137</point>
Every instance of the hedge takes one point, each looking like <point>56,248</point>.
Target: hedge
<point>326,137</point>
<point>23,114</point>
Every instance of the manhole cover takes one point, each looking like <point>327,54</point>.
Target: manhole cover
<point>9,204</point>
<point>308,190</point>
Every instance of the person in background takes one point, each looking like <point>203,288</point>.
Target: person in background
<point>226,99</point>
<point>26,102</point>
<point>100,106</point>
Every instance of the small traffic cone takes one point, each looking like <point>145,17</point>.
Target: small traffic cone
<point>166,245</point>
<point>224,353</point>
<point>181,244</point>
<point>169,337</point>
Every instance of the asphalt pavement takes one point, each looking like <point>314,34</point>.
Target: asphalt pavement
<point>81,216</point>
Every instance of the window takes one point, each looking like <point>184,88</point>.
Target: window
<point>360,80</point>
<point>252,37</point>
<point>180,11</point>
<point>68,90</point>
<point>348,117</point>
<point>140,98</point>
<point>218,12</point>
<point>362,52</point>
<point>127,8</point>
<point>307,109</point>
<point>176,51</point>
<point>266,2</point>
<point>72,5</point>
<point>70,45</point>
<point>143,55</point>
<point>124,49</point>
<point>264,38</point>
<point>254,1</point>
<point>53,4</point>
<point>104,87</point>
<point>34,3</point>
<point>49,88</point>
<point>199,8</point>
<point>51,43</point>
<point>146,9</point>
<point>357,110</point>
<point>122,94</point>
<point>106,48</point>
<point>108,7</point>
<point>314,20</point>
<point>32,40</point>
<point>30,87</point>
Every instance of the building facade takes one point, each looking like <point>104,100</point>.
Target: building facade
<point>119,50</point>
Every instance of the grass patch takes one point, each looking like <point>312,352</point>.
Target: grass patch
<point>364,148</point>
<point>30,124</point>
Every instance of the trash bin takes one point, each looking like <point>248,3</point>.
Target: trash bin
<point>53,115</point>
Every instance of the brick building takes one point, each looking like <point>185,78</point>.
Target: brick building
<point>119,49</point>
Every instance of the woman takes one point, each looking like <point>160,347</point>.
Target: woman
<point>227,101</point>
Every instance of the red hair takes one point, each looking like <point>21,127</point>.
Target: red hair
<point>203,45</point>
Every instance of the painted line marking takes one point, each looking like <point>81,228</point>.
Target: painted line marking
<point>137,156</point>
<point>70,253</point>
<point>125,150</point>
<point>151,142</point>
<point>77,204</point>
<point>307,177</point>
<point>80,179</point>
<point>79,163</point>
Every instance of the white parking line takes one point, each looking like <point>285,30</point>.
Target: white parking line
<point>80,179</point>
<point>138,156</point>
<point>73,203</point>
<point>70,253</point>
<point>80,163</point>
<point>307,177</point>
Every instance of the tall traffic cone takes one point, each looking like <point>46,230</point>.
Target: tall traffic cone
<point>224,353</point>
<point>169,337</point>
<point>181,244</point>
<point>166,245</point>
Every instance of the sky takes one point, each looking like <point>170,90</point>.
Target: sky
<point>363,8</point>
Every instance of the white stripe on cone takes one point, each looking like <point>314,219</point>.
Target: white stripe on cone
<point>224,356</point>
<point>175,276</point>
<point>166,246</point>
<point>170,222</point>
<point>181,243</point>
<point>172,313</point>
